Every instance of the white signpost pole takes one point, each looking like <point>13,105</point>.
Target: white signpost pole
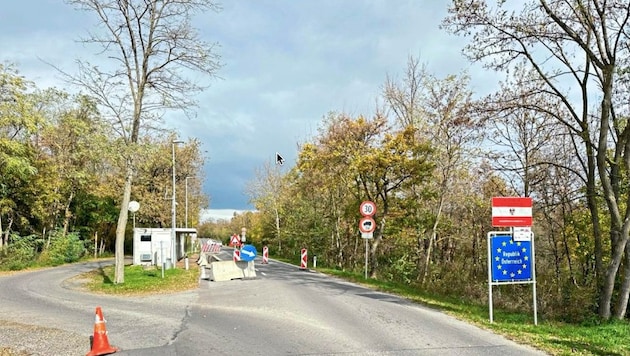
<point>366,257</point>
<point>162,258</point>
<point>490,279</point>
<point>534,281</point>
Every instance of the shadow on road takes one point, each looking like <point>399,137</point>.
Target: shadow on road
<point>334,285</point>
<point>106,279</point>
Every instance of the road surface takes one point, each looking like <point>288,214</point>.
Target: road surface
<point>284,311</point>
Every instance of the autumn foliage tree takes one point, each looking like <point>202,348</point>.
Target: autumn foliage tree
<point>577,52</point>
<point>432,158</point>
<point>438,109</point>
<point>62,176</point>
<point>353,159</point>
<point>18,122</point>
<point>152,46</point>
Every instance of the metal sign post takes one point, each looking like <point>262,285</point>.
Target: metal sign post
<point>367,225</point>
<point>366,257</point>
<point>162,257</point>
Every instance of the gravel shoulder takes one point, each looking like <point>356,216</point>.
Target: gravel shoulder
<point>21,340</point>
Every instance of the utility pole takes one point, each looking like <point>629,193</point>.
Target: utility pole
<point>173,208</point>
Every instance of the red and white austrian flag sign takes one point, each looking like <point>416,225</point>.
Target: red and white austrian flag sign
<point>511,211</point>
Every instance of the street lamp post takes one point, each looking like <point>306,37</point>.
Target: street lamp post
<point>133,206</point>
<point>186,214</point>
<point>173,207</point>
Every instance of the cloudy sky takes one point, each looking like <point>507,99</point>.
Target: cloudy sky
<point>287,63</point>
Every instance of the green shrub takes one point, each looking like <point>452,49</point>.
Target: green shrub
<point>20,253</point>
<point>63,249</point>
<point>401,270</point>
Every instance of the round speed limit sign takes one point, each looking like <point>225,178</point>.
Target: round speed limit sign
<point>367,208</point>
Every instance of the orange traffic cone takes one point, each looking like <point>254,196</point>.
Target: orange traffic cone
<point>99,343</point>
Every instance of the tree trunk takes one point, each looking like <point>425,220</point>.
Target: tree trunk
<point>427,260</point>
<point>438,216</point>
<point>624,292</point>
<point>95,244</point>
<point>1,240</point>
<point>372,264</point>
<point>375,243</point>
<point>5,238</point>
<point>101,249</point>
<point>556,257</point>
<point>67,214</point>
<point>591,202</point>
<point>47,238</point>
<point>278,229</point>
<point>338,244</point>
<point>618,247</point>
<point>119,275</point>
<point>610,185</point>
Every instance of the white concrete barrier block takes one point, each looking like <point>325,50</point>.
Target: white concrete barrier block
<point>228,270</point>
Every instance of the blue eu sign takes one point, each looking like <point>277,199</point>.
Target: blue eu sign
<point>511,260</point>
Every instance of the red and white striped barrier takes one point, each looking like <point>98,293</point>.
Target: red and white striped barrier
<point>211,247</point>
<point>304,261</point>
<point>265,254</point>
<point>237,255</point>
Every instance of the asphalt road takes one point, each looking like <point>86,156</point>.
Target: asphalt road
<point>284,311</point>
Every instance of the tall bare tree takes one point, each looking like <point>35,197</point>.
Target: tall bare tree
<point>265,192</point>
<point>576,49</point>
<point>439,110</point>
<point>150,51</point>
<point>520,137</point>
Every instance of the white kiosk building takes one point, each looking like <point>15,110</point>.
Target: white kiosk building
<point>152,246</point>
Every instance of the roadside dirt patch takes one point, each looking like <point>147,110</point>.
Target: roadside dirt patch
<point>10,273</point>
<point>41,341</point>
<point>78,282</point>
<point>5,351</point>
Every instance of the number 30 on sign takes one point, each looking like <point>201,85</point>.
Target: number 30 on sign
<point>367,208</point>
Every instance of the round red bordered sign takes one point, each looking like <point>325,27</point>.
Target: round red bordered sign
<point>367,208</point>
<point>367,225</point>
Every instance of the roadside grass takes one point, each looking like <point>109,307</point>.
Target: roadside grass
<point>557,338</point>
<point>9,269</point>
<point>141,281</point>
